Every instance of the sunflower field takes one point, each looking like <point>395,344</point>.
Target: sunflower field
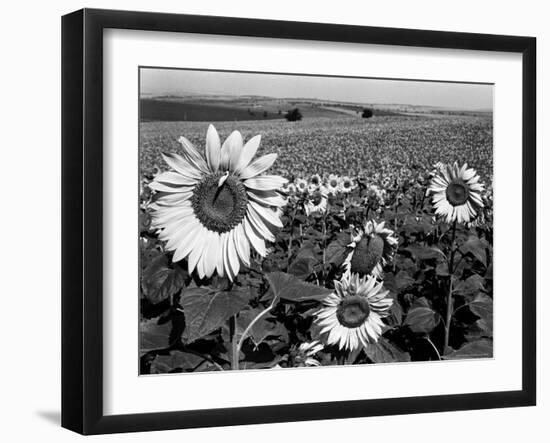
<point>321,242</point>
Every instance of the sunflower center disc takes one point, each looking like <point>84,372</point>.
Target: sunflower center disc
<point>367,254</point>
<point>334,183</point>
<point>317,198</point>
<point>457,193</point>
<point>353,311</point>
<point>219,208</point>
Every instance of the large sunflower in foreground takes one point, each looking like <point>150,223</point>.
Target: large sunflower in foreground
<point>372,247</point>
<point>352,316</point>
<point>213,210</point>
<point>456,193</point>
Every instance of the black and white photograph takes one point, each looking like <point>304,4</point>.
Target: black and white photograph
<point>302,221</point>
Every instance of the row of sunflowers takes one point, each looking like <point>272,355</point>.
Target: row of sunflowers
<point>242,269</point>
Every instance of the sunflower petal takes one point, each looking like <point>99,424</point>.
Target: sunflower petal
<point>213,147</point>
<point>181,165</point>
<point>242,245</point>
<point>255,239</point>
<point>267,214</point>
<point>266,182</point>
<point>193,156</point>
<point>258,166</point>
<point>163,187</point>
<point>231,151</point>
<point>257,222</point>
<point>269,198</point>
<point>175,179</point>
<point>248,153</point>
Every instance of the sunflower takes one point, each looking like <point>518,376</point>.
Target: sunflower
<point>438,166</point>
<point>373,246</point>
<point>316,203</point>
<point>212,211</point>
<point>304,355</point>
<point>346,185</point>
<point>456,193</point>
<point>301,185</point>
<point>333,184</point>
<point>291,189</point>
<point>315,180</point>
<point>155,171</point>
<point>352,315</point>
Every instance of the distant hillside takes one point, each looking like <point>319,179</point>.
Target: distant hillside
<point>215,108</point>
<point>172,110</point>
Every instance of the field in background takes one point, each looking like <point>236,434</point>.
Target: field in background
<point>390,145</point>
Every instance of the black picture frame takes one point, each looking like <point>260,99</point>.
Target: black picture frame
<point>82,219</point>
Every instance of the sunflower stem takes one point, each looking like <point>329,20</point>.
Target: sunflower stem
<point>395,228</point>
<point>325,237</point>
<point>450,294</point>
<point>238,344</point>
<point>434,347</point>
<point>290,238</point>
<point>233,333</point>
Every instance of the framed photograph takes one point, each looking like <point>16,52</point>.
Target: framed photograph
<point>270,221</point>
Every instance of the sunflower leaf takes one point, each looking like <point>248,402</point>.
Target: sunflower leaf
<point>423,252</point>
<point>421,318</point>
<point>470,287</point>
<point>337,249</point>
<point>303,264</point>
<point>383,351</point>
<point>482,348</point>
<point>290,288</point>
<point>154,335</point>
<point>160,281</point>
<point>482,306</point>
<point>207,309</point>
<point>175,360</point>
<point>403,280</point>
<point>476,247</point>
<point>264,328</point>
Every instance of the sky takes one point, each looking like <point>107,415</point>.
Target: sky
<point>359,90</point>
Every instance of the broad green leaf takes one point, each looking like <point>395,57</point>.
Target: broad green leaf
<point>414,224</point>
<point>470,287</point>
<point>476,247</point>
<point>442,269</point>
<point>384,351</point>
<point>403,280</point>
<point>290,288</point>
<point>421,318</point>
<point>264,328</point>
<point>405,264</point>
<point>482,306</point>
<point>160,281</point>
<point>303,264</point>
<point>206,309</point>
<point>396,312</point>
<point>163,364</point>
<point>337,250</point>
<point>478,349</point>
<point>153,335</point>
<point>423,252</point>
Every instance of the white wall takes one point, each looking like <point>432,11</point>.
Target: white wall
<point>30,218</point>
